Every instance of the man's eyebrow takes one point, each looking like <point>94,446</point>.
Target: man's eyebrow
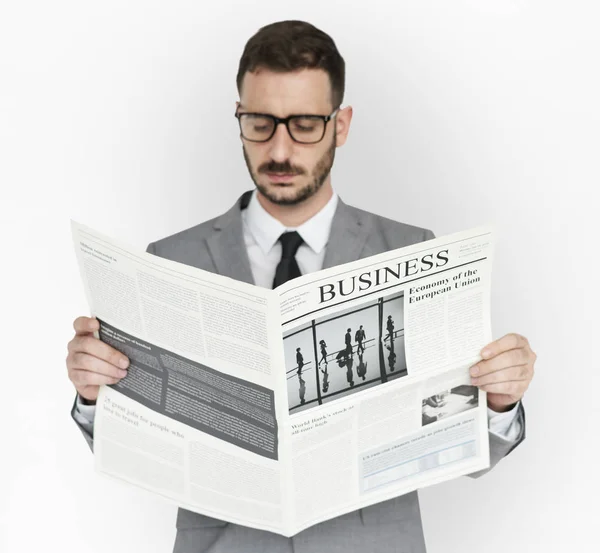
<point>304,112</point>
<point>243,106</point>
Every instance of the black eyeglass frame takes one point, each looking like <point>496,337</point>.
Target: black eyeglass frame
<point>286,121</point>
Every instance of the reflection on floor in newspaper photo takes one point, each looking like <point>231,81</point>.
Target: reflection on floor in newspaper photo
<point>333,356</point>
<point>449,402</point>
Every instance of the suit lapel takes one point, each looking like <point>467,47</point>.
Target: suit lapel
<point>348,236</point>
<point>227,246</point>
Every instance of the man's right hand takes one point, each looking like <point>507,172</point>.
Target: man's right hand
<point>92,363</point>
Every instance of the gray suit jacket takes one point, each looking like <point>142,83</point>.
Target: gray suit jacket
<point>392,526</point>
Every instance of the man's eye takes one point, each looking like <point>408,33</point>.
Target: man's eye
<point>304,125</point>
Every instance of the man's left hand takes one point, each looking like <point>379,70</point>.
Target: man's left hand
<point>505,371</point>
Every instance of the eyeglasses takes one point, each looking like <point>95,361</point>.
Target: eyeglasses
<point>306,129</point>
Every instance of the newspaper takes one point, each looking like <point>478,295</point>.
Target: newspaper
<point>279,409</point>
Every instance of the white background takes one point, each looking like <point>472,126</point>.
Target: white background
<point>120,115</point>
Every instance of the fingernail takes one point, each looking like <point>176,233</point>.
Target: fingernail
<point>473,381</point>
<point>123,373</point>
<point>123,363</point>
<point>474,371</point>
<point>486,353</point>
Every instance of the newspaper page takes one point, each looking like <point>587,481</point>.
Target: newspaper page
<point>377,356</point>
<point>244,404</point>
<point>197,418</point>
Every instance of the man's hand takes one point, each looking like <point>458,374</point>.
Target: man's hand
<point>91,362</point>
<point>505,371</point>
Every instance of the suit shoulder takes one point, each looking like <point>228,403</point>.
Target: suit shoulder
<point>394,231</point>
<point>184,237</point>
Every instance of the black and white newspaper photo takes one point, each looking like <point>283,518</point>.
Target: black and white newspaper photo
<point>345,353</point>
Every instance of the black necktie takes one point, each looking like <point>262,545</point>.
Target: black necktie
<point>288,267</point>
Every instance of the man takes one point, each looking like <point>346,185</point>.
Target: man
<point>295,223</point>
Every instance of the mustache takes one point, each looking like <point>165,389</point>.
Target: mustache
<point>274,168</point>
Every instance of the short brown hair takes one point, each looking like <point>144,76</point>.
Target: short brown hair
<point>290,45</point>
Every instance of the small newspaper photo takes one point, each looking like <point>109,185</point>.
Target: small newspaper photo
<point>280,409</point>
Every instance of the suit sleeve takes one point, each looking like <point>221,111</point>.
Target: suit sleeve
<point>500,447</point>
<point>86,426</point>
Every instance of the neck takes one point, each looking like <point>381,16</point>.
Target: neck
<point>295,215</point>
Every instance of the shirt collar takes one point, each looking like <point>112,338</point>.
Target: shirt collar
<point>266,230</point>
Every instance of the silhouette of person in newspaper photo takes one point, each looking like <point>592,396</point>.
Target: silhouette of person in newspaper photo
<point>361,369</point>
<point>299,361</point>
<point>390,328</point>
<point>325,379</point>
<point>349,343</point>
<point>323,352</point>
<point>350,372</point>
<point>359,338</point>
<point>392,355</point>
<point>302,389</point>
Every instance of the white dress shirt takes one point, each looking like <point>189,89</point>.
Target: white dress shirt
<point>261,236</point>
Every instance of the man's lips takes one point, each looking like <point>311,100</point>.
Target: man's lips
<point>281,177</point>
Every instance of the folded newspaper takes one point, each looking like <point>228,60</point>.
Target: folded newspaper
<point>279,409</point>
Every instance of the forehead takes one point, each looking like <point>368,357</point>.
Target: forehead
<point>300,91</point>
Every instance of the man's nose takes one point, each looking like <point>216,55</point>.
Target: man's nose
<point>281,143</point>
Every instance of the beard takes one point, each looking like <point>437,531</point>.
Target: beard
<point>318,176</point>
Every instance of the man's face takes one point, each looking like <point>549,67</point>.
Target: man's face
<point>306,91</point>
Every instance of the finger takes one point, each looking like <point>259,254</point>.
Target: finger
<point>87,378</point>
<point>515,388</point>
<point>518,372</point>
<point>85,325</point>
<point>510,341</point>
<point>97,348</point>
<point>86,362</point>
<point>510,358</point>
